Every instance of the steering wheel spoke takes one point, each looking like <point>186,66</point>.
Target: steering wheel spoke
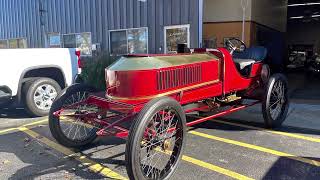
<point>235,45</point>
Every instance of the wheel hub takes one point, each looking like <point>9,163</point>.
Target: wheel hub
<point>166,145</point>
<point>44,96</point>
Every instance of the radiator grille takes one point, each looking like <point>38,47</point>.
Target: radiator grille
<point>178,77</point>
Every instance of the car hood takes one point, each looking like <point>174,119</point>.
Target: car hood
<point>157,62</point>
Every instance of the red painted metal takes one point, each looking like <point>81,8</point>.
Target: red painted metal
<point>231,110</point>
<point>233,80</point>
<point>202,108</point>
<point>158,81</point>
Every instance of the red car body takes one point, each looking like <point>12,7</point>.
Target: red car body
<point>186,83</point>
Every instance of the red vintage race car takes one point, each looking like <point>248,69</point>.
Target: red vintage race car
<point>149,96</point>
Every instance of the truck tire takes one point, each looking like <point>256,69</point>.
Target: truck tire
<point>148,136</point>
<point>39,95</point>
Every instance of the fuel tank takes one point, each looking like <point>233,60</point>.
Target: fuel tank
<point>146,77</point>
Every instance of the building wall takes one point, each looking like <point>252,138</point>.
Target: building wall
<point>23,18</point>
<point>271,13</point>
<point>227,29</point>
<point>225,10</point>
<point>304,34</point>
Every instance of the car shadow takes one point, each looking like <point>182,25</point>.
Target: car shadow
<point>286,168</point>
<point>14,113</point>
<point>27,158</point>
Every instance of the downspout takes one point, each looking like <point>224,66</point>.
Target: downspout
<point>200,23</point>
<point>244,5</point>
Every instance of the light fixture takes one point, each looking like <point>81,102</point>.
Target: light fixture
<point>304,4</point>
<point>297,17</point>
<point>315,16</point>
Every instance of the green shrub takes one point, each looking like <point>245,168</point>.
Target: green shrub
<point>94,70</point>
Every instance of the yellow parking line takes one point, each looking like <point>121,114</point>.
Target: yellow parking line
<point>26,125</point>
<point>270,131</point>
<point>8,130</point>
<point>209,166</point>
<point>215,168</point>
<point>258,148</point>
<point>94,166</point>
<point>36,122</point>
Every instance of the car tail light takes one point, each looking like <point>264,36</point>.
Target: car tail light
<point>78,54</point>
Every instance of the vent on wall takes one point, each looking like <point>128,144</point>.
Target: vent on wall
<point>173,78</point>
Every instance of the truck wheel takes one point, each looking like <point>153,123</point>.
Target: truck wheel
<point>275,103</point>
<point>71,131</point>
<point>153,152</point>
<point>39,95</point>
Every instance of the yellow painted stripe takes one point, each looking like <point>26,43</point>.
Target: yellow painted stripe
<point>297,136</point>
<point>8,130</point>
<point>17,128</point>
<point>258,148</point>
<point>215,168</point>
<point>94,166</point>
<point>36,122</point>
<point>209,166</point>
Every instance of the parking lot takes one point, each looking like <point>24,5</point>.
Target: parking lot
<point>227,148</point>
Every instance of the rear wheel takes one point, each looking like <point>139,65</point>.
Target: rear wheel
<point>153,151</point>
<point>69,129</point>
<point>275,103</point>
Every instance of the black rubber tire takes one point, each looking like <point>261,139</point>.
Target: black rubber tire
<point>138,126</point>
<point>268,120</point>
<point>29,89</point>
<point>54,122</point>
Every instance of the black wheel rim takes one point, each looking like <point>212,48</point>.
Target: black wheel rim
<point>278,100</point>
<point>160,149</point>
<point>75,129</point>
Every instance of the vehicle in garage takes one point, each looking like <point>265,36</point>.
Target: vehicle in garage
<point>156,92</point>
<point>314,66</point>
<point>34,77</point>
<point>297,59</point>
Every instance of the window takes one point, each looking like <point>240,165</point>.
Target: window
<point>54,40</point>
<point>82,41</point>
<point>69,41</point>
<point>17,43</point>
<point>129,41</point>
<point>3,44</point>
<point>174,35</point>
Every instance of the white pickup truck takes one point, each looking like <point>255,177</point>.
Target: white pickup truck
<point>34,77</point>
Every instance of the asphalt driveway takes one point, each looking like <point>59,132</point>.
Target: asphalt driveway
<point>233,147</point>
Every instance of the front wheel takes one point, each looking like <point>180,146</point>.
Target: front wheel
<point>275,102</point>
<point>39,95</point>
<point>156,140</point>
<point>70,129</point>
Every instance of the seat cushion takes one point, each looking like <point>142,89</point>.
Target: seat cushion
<point>257,53</point>
<point>242,63</point>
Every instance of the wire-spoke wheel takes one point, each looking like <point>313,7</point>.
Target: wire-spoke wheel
<point>276,102</point>
<point>70,128</point>
<point>156,140</point>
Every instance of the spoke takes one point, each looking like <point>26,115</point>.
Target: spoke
<point>38,98</point>
<point>154,152</point>
<point>275,103</point>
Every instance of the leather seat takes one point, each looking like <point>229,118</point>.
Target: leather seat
<point>245,59</point>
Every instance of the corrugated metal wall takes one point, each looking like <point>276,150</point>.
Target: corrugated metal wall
<point>33,19</point>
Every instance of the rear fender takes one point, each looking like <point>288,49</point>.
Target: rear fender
<point>24,79</point>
